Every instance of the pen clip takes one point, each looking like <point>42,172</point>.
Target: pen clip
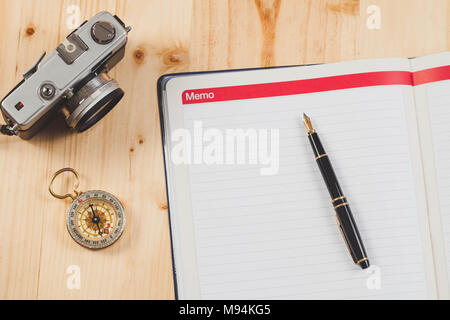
<point>345,240</point>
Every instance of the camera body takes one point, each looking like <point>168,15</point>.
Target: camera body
<point>71,81</point>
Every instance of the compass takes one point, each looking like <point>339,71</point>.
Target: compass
<point>95,219</point>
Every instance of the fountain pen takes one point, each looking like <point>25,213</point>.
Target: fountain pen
<point>344,217</point>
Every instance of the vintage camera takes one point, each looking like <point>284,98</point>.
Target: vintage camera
<point>71,81</point>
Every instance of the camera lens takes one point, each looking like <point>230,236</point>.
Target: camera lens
<point>92,102</point>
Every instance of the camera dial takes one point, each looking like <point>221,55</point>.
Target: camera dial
<point>103,32</point>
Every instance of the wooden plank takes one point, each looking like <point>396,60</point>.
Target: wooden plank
<point>122,154</point>
<point>408,29</point>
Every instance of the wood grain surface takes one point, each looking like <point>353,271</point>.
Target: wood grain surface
<point>122,154</point>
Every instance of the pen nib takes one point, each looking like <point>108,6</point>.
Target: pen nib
<point>308,124</point>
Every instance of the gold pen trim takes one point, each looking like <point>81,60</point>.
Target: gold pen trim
<point>337,199</point>
<point>341,205</point>
<point>362,260</point>
<point>321,156</point>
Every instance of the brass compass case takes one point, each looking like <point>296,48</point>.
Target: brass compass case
<point>95,219</point>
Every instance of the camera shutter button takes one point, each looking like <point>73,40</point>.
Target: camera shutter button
<point>103,32</point>
<point>47,91</point>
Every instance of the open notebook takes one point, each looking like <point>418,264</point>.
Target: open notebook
<point>263,227</point>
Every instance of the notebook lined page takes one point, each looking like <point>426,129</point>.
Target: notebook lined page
<point>275,236</point>
<point>439,108</point>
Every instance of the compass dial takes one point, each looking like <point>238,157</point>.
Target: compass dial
<point>96,219</point>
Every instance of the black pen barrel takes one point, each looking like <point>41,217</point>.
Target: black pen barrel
<point>344,215</point>
<point>350,232</point>
<point>325,167</point>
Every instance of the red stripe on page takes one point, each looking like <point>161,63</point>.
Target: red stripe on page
<point>431,75</point>
<point>286,88</point>
<point>294,87</point>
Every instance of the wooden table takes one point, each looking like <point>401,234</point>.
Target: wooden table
<point>123,155</point>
